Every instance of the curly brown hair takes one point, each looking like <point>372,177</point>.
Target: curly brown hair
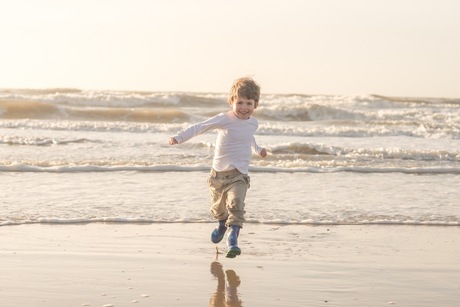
<point>244,87</point>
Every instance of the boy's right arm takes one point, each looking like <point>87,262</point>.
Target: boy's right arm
<point>196,129</point>
<point>172,141</point>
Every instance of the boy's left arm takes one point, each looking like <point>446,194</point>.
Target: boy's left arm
<point>263,153</point>
<point>257,149</point>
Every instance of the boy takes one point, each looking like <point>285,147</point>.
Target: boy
<point>229,180</point>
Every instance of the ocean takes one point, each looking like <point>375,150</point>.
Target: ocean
<point>85,156</point>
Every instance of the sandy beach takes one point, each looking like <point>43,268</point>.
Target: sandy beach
<point>175,265</point>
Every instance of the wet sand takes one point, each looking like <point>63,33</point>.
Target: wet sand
<point>177,265</point>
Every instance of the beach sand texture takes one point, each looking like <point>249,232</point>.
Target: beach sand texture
<point>167,264</point>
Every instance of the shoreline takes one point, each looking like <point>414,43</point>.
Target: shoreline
<point>115,264</point>
<point>117,221</point>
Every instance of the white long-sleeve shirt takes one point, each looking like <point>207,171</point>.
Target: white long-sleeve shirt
<point>235,140</point>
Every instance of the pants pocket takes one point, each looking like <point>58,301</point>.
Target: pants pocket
<point>247,179</point>
<point>210,181</point>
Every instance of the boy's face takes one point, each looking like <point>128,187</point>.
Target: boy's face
<point>243,107</point>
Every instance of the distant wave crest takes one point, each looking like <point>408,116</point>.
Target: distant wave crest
<point>45,110</point>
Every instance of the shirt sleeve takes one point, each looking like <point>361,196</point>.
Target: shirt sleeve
<point>199,128</point>
<point>255,148</point>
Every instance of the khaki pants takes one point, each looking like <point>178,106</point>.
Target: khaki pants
<point>228,192</point>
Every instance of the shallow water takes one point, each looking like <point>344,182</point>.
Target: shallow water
<point>70,155</point>
<point>180,197</point>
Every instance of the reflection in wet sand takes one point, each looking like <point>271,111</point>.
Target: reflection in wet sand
<point>226,293</point>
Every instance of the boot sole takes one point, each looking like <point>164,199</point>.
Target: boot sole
<point>233,252</point>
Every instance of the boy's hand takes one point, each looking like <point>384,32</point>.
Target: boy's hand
<point>172,141</point>
<point>263,153</point>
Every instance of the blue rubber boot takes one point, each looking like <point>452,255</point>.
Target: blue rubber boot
<point>218,234</point>
<point>232,242</point>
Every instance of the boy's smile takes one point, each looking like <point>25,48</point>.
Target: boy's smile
<point>243,107</point>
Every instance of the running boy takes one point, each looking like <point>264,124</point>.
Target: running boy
<point>229,180</point>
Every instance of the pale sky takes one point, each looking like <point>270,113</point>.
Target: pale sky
<point>338,47</point>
